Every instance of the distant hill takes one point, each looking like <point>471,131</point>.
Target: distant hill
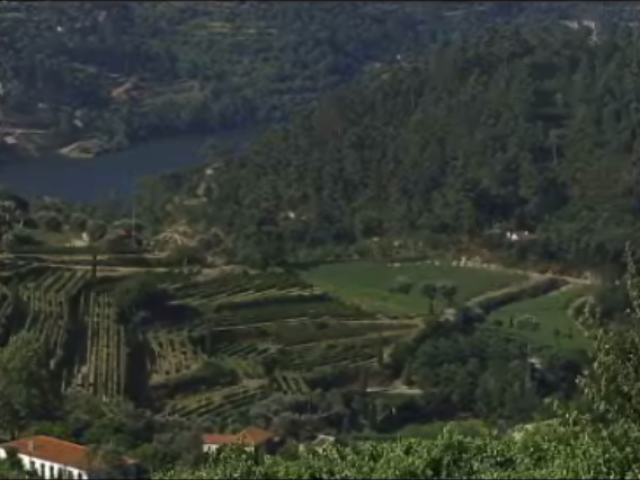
<point>126,70</point>
<point>514,129</point>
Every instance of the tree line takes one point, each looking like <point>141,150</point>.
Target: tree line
<point>525,129</point>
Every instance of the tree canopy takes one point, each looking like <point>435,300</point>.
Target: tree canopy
<point>511,130</point>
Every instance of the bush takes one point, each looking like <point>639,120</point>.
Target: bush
<point>78,222</point>
<point>547,451</point>
<point>447,290</point>
<point>527,323</point>
<point>185,255</point>
<point>96,230</point>
<point>120,242</point>
<point>401,284</point>
<point>49,221</point>
<point>18,239</point>
<point>139,293</point>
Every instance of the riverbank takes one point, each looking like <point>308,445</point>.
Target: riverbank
<point>113,173</point>
<point>85,149</point>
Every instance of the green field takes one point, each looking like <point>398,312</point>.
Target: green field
<point>367,283</point>
<point>551,311</point>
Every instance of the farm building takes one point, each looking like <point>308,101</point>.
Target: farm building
<point>319,443</point>
<point>251,438</point>
<point>51,457</point>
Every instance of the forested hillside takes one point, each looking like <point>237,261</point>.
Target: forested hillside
<point>120,71</point>
<point>126,70</point>
<point>525,128</point>
<point>412,140</point>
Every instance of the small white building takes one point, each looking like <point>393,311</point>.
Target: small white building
<point>320,443</point>
<point>211,442</point>
<point>50,457</point>
<point>516,236</point>
<point>250,438</point>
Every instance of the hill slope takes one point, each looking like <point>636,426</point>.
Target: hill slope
<point>514,130</point>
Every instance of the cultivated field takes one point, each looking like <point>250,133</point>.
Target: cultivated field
<point>277,332</point>
<point>367,283</point>
<point>556,327</point>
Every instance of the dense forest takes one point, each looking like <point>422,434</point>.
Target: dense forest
<point>123,70</point>
<point>127,70</point>
<point>525,129</point>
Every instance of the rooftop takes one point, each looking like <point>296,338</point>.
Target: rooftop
<point>53,450</point>
<point>218,439</point>
<point>254,436</point>
<point>56,451</point>
<point>249,436</point>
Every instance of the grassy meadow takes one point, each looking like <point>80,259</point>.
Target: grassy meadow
<point>556,328</point>
<point>367,283</point>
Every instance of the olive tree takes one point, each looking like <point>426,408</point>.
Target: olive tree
<point>430,291</point>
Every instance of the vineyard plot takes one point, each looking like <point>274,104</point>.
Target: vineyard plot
<point>105,368</point>
<point>172,354</point>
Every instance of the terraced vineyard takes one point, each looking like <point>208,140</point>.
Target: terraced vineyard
<point>78,326</point>
<point>236,339</point>
<point>6,305</point>
<point>270,330</point>
<point>219,403</point>
<point>172,353</point>
<point>105,368</point>
<point>247,350</point>
<point>251,321</point>
<point>290,383</point>
<point>48,297</point>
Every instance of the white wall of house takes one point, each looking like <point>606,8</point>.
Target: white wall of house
<point>47,470</point>
<point>212,447</point>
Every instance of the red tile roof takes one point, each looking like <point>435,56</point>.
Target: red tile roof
<point>218,439</point>
<point>252,436</point>
<point>53,450</point>
<point>255,436</point>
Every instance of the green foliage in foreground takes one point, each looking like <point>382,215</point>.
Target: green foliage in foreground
<point>599,443</point>
<point>570,451</point>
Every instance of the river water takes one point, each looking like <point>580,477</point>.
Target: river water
<point>112,174</point>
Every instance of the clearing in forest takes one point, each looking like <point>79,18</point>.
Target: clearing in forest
<point>555,327</point>
<point>367,283</point>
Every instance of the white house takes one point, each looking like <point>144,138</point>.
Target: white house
<point>211,442</point>
<point>250,438</point>
<point>320,443</point>
<point>516,236</point>
<point>50,457</point>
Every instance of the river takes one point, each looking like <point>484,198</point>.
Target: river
<point>112,174</point>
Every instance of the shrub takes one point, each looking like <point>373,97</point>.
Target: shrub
<point>49,221</point>
<point>401,284</point>
<point>96,230</point>
<point>78,222</point>
<point>139,293</point>
<point>18,239</point>
<point>547,451</point>
<point>528,323</point>
<point>447,290</point>
<point>185,255</point>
